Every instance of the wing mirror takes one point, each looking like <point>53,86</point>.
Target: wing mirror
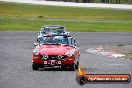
<point>68,33</point>
<point>35,44</point>
<point>74,42</point>
<point>38,33</point>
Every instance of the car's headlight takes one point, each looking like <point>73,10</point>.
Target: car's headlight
<point>70,53</point>
<point>35,52</point>
<point>45,56</point>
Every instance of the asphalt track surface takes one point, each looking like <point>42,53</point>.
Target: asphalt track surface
<point>15,61</point>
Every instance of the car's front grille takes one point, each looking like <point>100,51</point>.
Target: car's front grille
<point>55,57</point>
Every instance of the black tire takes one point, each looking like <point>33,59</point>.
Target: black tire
<point>35,67</point>
<point>76,66</point>
<point>63,68</point>
<point>72,67</point>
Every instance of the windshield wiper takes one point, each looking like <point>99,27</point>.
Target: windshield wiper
<point>46,43</point>
<point>66,44</point>
<point>50,43</point>
<point>55,43</point>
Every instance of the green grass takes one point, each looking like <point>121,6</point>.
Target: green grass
<point>27,17</point>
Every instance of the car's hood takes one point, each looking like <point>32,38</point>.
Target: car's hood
<point>54,49</point>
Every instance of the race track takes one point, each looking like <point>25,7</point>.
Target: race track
<point>15,61</point>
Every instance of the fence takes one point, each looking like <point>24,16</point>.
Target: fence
<point>98,1</point>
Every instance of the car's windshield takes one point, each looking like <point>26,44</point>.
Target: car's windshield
<point>45,30</point>
<point>56,30</point>
<point>53,40</point>
<point>53,30</point>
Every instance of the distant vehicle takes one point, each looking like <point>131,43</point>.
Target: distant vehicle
<point>51,30</point>
<point>56,50</point>
<point>54,29</point>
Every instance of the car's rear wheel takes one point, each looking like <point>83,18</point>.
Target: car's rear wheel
<point>35,66</point>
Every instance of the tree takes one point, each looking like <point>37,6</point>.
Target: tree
<point>103,1</point>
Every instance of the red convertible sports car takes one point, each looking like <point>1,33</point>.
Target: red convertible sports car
<point>56,50</point>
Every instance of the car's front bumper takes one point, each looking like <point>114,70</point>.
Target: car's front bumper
<point>54,62</point>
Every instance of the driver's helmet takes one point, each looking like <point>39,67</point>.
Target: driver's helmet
<point>60,31</point>
<point>58,39</point>
<point>40,40</point>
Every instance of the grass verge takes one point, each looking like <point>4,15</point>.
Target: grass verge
<point>27,17</point>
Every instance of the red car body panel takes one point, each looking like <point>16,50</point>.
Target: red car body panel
<point>56,50</point>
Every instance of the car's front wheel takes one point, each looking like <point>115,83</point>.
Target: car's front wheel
<point>64,68</point>
<point>76,66</point>
<point>72,67</point>
<point>35,66</point>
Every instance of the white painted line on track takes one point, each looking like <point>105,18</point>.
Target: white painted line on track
<point>101,51</point>
<point>116,64</point>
